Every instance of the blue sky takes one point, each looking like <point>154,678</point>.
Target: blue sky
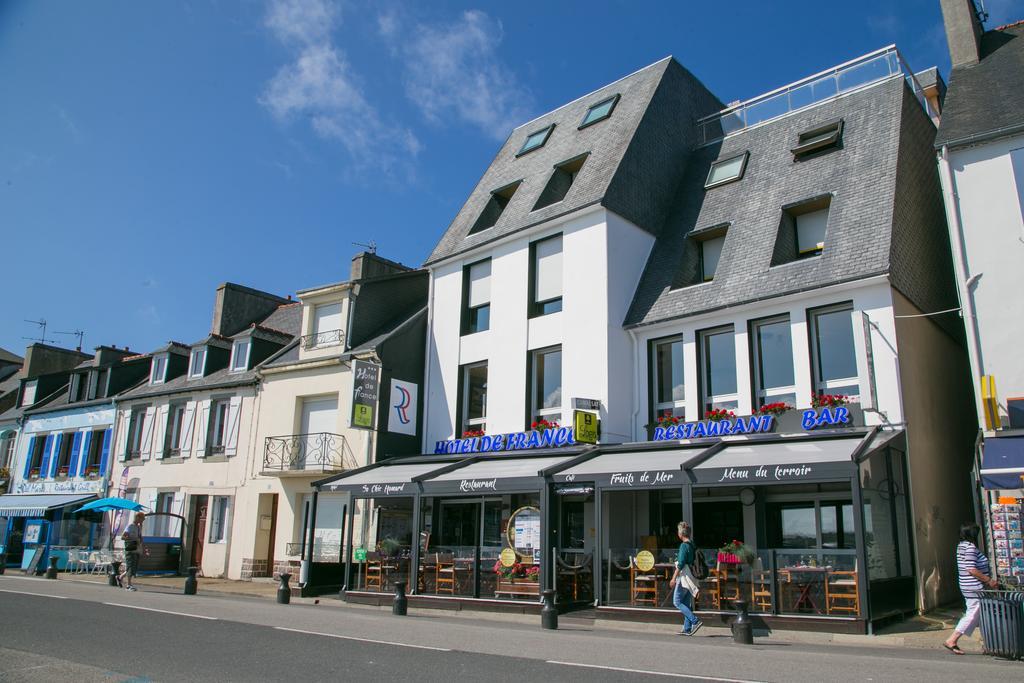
<point>149,151</point>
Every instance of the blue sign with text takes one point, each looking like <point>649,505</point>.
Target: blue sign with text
<point>517,441</point>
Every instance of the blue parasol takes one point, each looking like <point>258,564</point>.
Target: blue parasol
<point>114,503</point>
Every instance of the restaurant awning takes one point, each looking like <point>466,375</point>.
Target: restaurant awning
<point>493,475</point>
<point>778,461</point>
<point>1002,463</point>
<point>383,480</point>
<point>36,505</point>
<point>631,469</point>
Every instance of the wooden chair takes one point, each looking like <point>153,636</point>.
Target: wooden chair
<point>643,585</point>
<point>374,572</point>
<point>570,573</point>
<point>444,573</point>
<point>842,594</point>
<point>760,587</point>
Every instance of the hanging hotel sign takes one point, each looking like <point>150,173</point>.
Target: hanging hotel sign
<point>365,391</point>
<point>836,416</point>
<point>517,441</point>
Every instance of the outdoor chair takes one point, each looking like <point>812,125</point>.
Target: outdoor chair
<point>841,592</point>
<point>760,587</point>
<point>444,573</point>
<point>374,572</point>
<point>571,573</point>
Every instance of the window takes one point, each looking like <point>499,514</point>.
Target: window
<point>159,371</point>
<point>546,276</point>
<point>162,523</point>
<point>36,456</point>
<point>668,388</point>
<point>499,199</point>
<point>326,325</point>
<point>834,355</point>
<point>219,519</point>
<point>772,350</point>
<point>79,387</point>
<point>175,421</point>
<point>824,137</point>
<point>28,394</point>
<point>825,524</point>
<point>64,455</point>
<point>535,140</point>
<point>7,451</point>
<point>546,385</point>
<point>197,363</point>
<point>135,433</point>
<point>802,230</point>
<point>95,455</point>
<point>218,425</point>
<point>718,353</point>
<point>837,525</point>
<point>474,397</point>
<point>727,170</point>
<point>240,355</point>
<point>476,292</point>
<point>599,111</point>
<point>561,180</point>
<point>710,253</point>
<point>98,384</point>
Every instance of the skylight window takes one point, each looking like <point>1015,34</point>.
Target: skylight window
<point>494,207</point>
<point>727,170</point>
<point>600,111</point>
<point>825,136</point>
<point>535,140</point>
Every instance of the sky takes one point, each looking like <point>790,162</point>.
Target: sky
<point>151,151</point>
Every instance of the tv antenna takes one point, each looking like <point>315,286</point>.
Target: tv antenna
<point>41,323</point>
<point>77,333</point>
<point>371,245</point>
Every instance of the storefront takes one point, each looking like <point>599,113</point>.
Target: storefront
<point>1002,488</point>
<point>809,529</point>
<point>36,526</point>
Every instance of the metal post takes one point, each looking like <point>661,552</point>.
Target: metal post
<point>414,556</point>
<point>546,570</point>
<point>862,557</point>
<point>596,576</point>
<point>284,593</point>
<point>400,606</point>
<point>348,548</point>
<point>307,559</point>
<point>549,613</point>
<point>191,582</point>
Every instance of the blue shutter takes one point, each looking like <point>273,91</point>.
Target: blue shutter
<point>55,455</point>
<point>28,456</point>
<point>76,443</point>
<point>47,447</point>
<point>106,452</point>
<point>83,463</point>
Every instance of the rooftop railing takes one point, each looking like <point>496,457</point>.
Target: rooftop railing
<point>839,80</point>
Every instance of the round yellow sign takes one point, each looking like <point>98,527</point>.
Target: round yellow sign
<point>508,557</point>
<point>645,560</point>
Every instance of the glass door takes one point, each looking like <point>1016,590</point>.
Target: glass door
<point>574,559</point>
<point>457,546</point>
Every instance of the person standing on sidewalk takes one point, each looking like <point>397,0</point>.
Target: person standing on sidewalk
<point>686,588</point>
<point>132,538</point>
<point>974,570</point>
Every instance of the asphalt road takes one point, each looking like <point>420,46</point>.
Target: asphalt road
<point>64,631</point>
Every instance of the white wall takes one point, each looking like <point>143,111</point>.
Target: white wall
<point>989,185</point>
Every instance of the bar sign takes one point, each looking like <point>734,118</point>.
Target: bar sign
<point>365,390</point>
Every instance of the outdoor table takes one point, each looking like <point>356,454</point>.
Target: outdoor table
<point>812,575</point>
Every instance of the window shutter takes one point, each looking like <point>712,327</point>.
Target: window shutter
<point>148,421</point>
<point>186,429</point>
<point>480,284</point>
<point>83,460</point>
<point>233,420</point>
<point>203,429</point>
<point>124,422</point>
<point>160,432</point>
<point>44,468</point>
<point>76,445</point>
<point>549,269</point>
<point>328,318</point>
<point>105,454</point>
<point>28,455</point>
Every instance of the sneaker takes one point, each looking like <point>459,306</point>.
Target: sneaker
<point>695,628</point>
<point>130,588</point>
<point>683,632</point>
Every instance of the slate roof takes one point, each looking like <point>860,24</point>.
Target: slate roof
<point>8,357</point>
<point>631,168</point>
<point>372,344</point>
<point>988,96</point>
<point>882,181</point>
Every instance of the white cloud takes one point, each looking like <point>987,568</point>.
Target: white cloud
<point>453,70</point>
<point>302,21</point>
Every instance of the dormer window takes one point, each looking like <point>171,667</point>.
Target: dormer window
<point>535,140</point>
<point>197,362</point>
<point>821,138</point>
<point>803,230</point>
<point>599,111</point>
<point>561,180</point>
<point>727,170</point>
<point>494,207</point>
<point>79,385</point>
<point>159,370</point>
<point>240,355</point>
<point>28,394</point>
<point>326,326</point>
<point>98,383</point>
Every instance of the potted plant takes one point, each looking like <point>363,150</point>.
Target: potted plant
<point>518,579</point>
<point>828,400</point>
<point>62,472</point>
<point>92,471</point>
<point>34,473</point>
<point>543,425</point>
<point>774,409</point>
<point>736,553</point>
<point>472,433</point>
<point>719,414</point>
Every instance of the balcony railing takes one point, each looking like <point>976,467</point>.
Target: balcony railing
<point>318,452</point>
<point>844,78</point>
<point>322,339</point>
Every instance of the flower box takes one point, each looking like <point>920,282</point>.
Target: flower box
<point>517,586</point>
<point>728,558</point>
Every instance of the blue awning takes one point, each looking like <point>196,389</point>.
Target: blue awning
<point>36,505</point>
<point>1002,463</point>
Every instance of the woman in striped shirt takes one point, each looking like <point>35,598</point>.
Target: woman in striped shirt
<point>973,570</point>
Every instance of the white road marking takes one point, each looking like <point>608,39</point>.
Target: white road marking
<point>41,595</point>
<point>362,640</point>
<point>652,673</point>
<point>161,611</point>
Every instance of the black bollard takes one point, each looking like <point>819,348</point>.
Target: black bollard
<point>191,582</point>
<point>400,606</point>
<point>742,629</point>
<point>284,593</point>
<point>549,613</point>
<point>51,571</point>
<point>3,562</point>
<point>115,571</point>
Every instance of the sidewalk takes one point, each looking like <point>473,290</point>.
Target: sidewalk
<point>919,632</point>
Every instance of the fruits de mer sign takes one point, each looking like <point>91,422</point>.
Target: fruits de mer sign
<point>755,424</point>
<point>517,441</point>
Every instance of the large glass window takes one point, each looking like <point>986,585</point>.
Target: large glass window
<point>546,276</point>
<point>477,297</point>
<point>668,384</point>
<point>833,350</point>
<point>546,385</point>
<point>474,398</point>
<point>718,353</point>
<point>773,361</point>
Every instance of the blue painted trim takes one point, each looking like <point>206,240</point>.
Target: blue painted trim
<point>76,445</point>
<point>83,462</point>
<point>105,456</point>
<point>28,456</point>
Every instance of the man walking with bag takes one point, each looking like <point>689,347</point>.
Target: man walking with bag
<point>132,538</point>
<point>686,587</point>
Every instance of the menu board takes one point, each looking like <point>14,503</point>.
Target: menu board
<point>1008,540</point>
<point>525,532</point>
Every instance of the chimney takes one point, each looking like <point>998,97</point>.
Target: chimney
<point>366,265</point>
<point>237,307</point>
<point>41,359</point>
<point>110,354</point>
<point>963,31</point>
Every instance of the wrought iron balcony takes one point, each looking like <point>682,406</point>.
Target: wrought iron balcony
<point>313,453</point>
<point>322,339</point>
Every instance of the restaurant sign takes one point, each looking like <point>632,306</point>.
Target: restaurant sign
<point>838,416</point>
<point>517,441</point>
